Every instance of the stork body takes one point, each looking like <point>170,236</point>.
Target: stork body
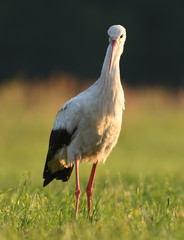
<point>88,126</point>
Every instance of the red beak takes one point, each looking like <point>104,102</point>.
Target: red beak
<point>114,46</point>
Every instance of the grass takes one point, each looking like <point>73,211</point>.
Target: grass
<point>138,193</point>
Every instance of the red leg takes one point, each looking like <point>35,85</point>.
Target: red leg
<point>77,190</point>
<point>90,187</point>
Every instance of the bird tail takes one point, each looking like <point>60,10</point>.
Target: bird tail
<point>63,175</point>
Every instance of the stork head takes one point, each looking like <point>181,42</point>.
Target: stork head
<point>117,37</point>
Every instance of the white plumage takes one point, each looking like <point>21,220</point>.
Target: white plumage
<point>91,121</point>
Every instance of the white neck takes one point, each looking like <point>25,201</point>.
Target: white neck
<point>109,84</point>
<point>105,67</point>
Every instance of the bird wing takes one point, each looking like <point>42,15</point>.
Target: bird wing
<point>65,126</point>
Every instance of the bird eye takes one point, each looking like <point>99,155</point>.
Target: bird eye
<point>121,36</point>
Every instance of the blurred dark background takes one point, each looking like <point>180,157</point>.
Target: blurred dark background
<point>40,38</point>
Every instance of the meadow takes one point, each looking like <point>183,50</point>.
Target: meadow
<point>138,193</point>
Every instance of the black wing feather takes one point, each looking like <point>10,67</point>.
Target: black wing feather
<point>58,138</point>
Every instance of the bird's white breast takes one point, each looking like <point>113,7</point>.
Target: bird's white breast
<point>98,128</point>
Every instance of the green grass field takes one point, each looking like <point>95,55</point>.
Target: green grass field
<point>138,193</point>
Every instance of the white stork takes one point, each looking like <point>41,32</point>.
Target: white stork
<point>88,126</point>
